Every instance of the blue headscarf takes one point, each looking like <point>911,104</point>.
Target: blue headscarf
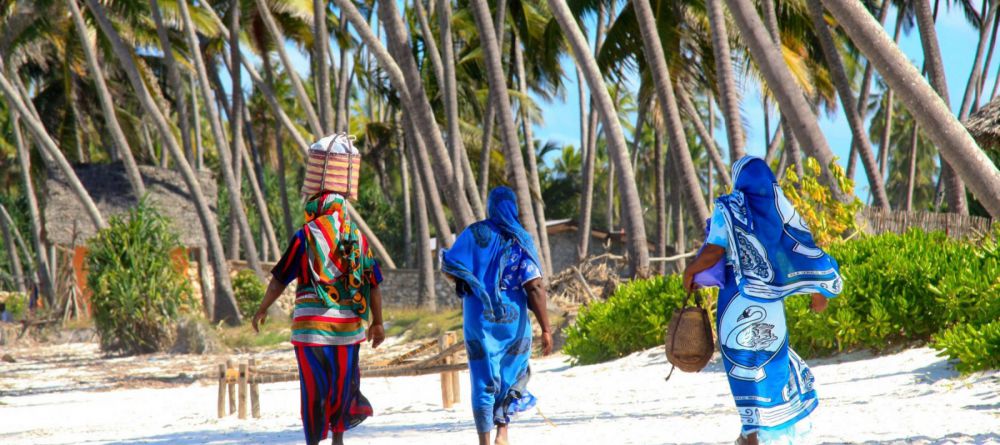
<point>774,255</point>
<point>481,250</point>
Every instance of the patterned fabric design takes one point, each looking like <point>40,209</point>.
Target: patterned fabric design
<point>330,386</point>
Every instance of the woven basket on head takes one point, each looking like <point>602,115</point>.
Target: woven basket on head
<point>334,165</point>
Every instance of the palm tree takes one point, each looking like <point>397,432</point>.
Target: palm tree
<point>226,308</point>
<point>425,261</point>
<point>107,103</point>
<point>637,249</point>
<point>793,104</point>
<point>420,109</point>
<point>399,82</point>
<point>279,45</point>
<point>954,188</point>
<point>866,81</point>
<point>7,227</point>
<point>706,136</point>
<point>668,105</point>
<point>729,100</point>
<point>508,131</point>
<point>321,43</point>
<point>927,107</point>
<point>17,105</point>
<point>44,272</point>
<point>843,84</point>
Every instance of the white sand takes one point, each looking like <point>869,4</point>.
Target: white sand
<point>910,397</point>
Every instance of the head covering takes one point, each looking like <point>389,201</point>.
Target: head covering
<point>480,252</point>
<point>337,252</point>
<point>773,250</point>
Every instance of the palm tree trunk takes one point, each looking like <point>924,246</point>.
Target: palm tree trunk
<point>729,100</point>
<point>174,80</point>
<point>226,305</point>
<point>431,50</point>
<point>911,179</point>
<point>7,227</point>
<point>883,154</point>
<point>986,67</point>
<point>321,39</point>
<point>490,112</point>
<point>199,156</point>
<point>790,99</point>
<point>405,181</point>
<point>236,135</point>
<point>529,142</point>
<point>636,231</point>
<point>793,154</point>
<point>426,295</point>
<point>419,107</point>
<point>17,106</point>
<point>954,189</point>
<point>343,117</point>
<point>300,91</point>
<point>124,151</point>
<point>835,64</point>
<point>866,82</point>
<point>927,107</point>
<point>431,194</point>
<point>971,85</point>
<point>706,136</point>
<point>680,235</point>
<point>508,131</point>
<point>460,155</point>
<point>776,138</point>
<point>661,198</point>
<point>669,109</point>
<point>43,271</point>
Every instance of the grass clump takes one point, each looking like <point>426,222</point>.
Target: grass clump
<point>418,324</point>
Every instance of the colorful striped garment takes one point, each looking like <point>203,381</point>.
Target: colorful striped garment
<point>331,390</point>
<point>337,319</point>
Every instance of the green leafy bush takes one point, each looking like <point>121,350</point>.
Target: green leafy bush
<point>633,319</point>
<point>898,289</point>
<point>249,292</point>
<point>138,289</point>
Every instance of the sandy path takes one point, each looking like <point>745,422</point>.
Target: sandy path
<point>909,397</point>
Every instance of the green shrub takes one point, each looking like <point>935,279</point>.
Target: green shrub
<point>898,289</point>
<point>249,292</point>
<point>633,319</point>
<point>17,304</point>
<point>138,290</point>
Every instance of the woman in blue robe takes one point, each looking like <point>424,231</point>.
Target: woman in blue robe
<point>497,274</point>
<point>770,254</point>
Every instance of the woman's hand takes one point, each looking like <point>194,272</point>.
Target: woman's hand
<point>689,279</point>
<point>546,342</point>
<point>819,303</point>
<point>259,319</point>
<point>376,334</point>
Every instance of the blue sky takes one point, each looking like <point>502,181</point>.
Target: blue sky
<point>958,47</point>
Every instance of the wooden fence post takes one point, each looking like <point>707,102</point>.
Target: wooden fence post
<point>243,391</point>
<point>222,391</point>
<point>254,389</point>
<point>446,388</point>
<point>232,388</point>
<point>456,389</point>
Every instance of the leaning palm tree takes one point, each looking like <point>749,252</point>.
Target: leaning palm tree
<point>226,308</point>
<point>926,106</point>
<point>321,48</point>
<point>43,270</point>
<point>794,107</point>
<point>107,102</point>
<point>668,105</point>
<point>637,249</point>
<point>860,140</point>
<point>508,131</point>
<point>8,228</point>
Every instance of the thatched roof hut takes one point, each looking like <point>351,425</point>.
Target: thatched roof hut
<point>984,124</point>
<point>111,191</point>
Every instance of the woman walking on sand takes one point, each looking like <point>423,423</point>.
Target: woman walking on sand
<point>336,295</point>
<point>770,254</point>
<point>496,269</point>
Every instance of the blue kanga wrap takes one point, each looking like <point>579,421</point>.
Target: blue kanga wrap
<point>491,260</point>
<point>770,255</point>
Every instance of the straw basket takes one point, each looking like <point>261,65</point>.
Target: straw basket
<point>334,166</point>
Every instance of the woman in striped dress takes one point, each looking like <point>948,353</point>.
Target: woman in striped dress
<point>336,295</point>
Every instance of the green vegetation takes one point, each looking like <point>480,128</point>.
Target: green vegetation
<point>273,333</point>
<point>249,290</point>
<point>917,287</point>
<point>138,288</point>
<point>17,304</point>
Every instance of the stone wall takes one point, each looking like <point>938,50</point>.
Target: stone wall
<point>399,289</point>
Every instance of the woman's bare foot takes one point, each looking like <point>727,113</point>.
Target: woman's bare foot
<point>501,435</point>
<point>338,438</point>
<point>747,440</point>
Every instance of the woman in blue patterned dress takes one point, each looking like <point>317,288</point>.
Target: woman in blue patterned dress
<point>496,269</point>
<point>770,254</point>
